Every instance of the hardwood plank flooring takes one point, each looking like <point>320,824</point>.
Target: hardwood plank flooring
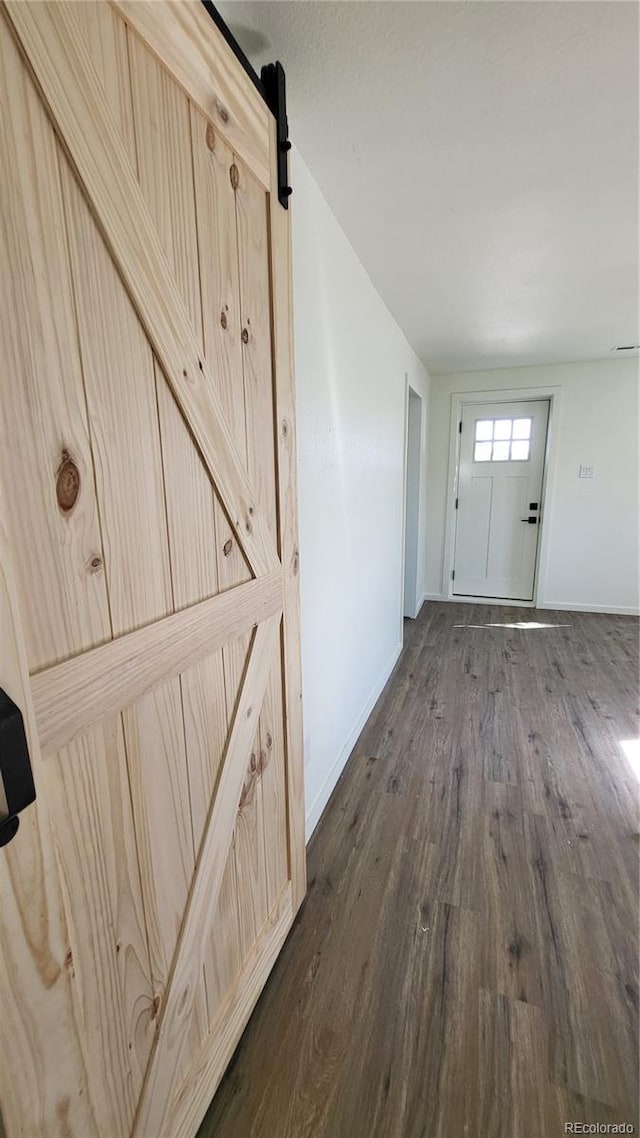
<point>465,963</point>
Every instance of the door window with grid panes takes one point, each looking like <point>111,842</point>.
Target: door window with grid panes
<point>502,440</point>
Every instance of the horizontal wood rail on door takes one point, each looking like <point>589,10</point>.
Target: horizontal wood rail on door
<point>72,92</point>
<point>98,683</point>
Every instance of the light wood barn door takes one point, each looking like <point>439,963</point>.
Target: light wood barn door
<point>148,564</point>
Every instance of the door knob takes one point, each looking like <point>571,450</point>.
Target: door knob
<point>18,787</point>
<point>532,519</point>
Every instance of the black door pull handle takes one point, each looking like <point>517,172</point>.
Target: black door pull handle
<point>532,519</point>
<point>18,789</point>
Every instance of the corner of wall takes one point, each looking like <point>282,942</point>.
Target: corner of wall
<point>315,810</point>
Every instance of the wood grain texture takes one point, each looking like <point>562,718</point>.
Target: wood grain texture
<point>466,960</point>
<point>37,1000</point>
<point>120,383</point>
<point>56,53</point>
<point>287,503</point>
<point>257,331</point>
<point>87,788</point>
<point>142,243</point>
<point>190,1104</point>
<point>191,949</point>
<point>219,272</point>
<point>97,684</point>
<point>162,120</point>
<point>274,786</point>
<point>256,839</point>
<point>105,959</point>
<point>121,401</point>
<point>183,37</point>
<point>105,36</point>
<point>43,424</point>
<point>243,898</point>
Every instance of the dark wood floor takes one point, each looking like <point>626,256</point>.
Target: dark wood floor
<point>465,963</point>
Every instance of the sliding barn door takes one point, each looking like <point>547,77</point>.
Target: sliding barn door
<point>148,564</point>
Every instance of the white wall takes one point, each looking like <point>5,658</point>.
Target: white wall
<point>351,366</point>
<point>414,560</point>
<point>591,527</point>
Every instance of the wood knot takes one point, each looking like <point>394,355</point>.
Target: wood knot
<point>68,960</point>
<point>285,429</point>
<point>223,112</point>
<point>155,1006</point>
<point>223,318</point>
<point>249,710</point>
<point>95,564</point>
<point>295,562</point>
<point>253,763</point>
<point>234,175</point>
<point>227,547</point>
<point>248,787</point>
<point>67,483</point>
<point>247,525</point>
<point>245,336</point>
<point>268,741</point>
<point>210,137</point>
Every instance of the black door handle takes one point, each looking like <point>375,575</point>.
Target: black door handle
<point>15,768</point>
<point>532,519</point>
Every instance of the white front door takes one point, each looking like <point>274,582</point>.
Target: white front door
<point>502,450</point>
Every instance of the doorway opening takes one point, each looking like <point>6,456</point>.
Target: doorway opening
<point>412,503</point>
<point>498,503</point>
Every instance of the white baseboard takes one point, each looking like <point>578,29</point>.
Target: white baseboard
<point>432,597</point>
<point>613,610</point>
<point>314,812</point>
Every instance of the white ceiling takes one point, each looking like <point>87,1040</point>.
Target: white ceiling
<point>482,158</point>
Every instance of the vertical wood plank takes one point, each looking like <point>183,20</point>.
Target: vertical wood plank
<point>105,35</point>
<point>163,147</point>
<point>215,174</point>
<point>163,125</point>
<point>284,394</point>
<point>274,787</point>
<point>253,831</point>
<point>249,855</point>
<point>154,736</point>
<point>37,1004</point>
<point>43,421</point>
<point>248,841</point>
<point>121,400</point>
<point>220,293</point>
<point>253,257</point>
<point>206,725</point>
<point>255,289</point>
<point>108,961</point>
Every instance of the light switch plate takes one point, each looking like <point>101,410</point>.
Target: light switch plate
<point>586,471</point>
